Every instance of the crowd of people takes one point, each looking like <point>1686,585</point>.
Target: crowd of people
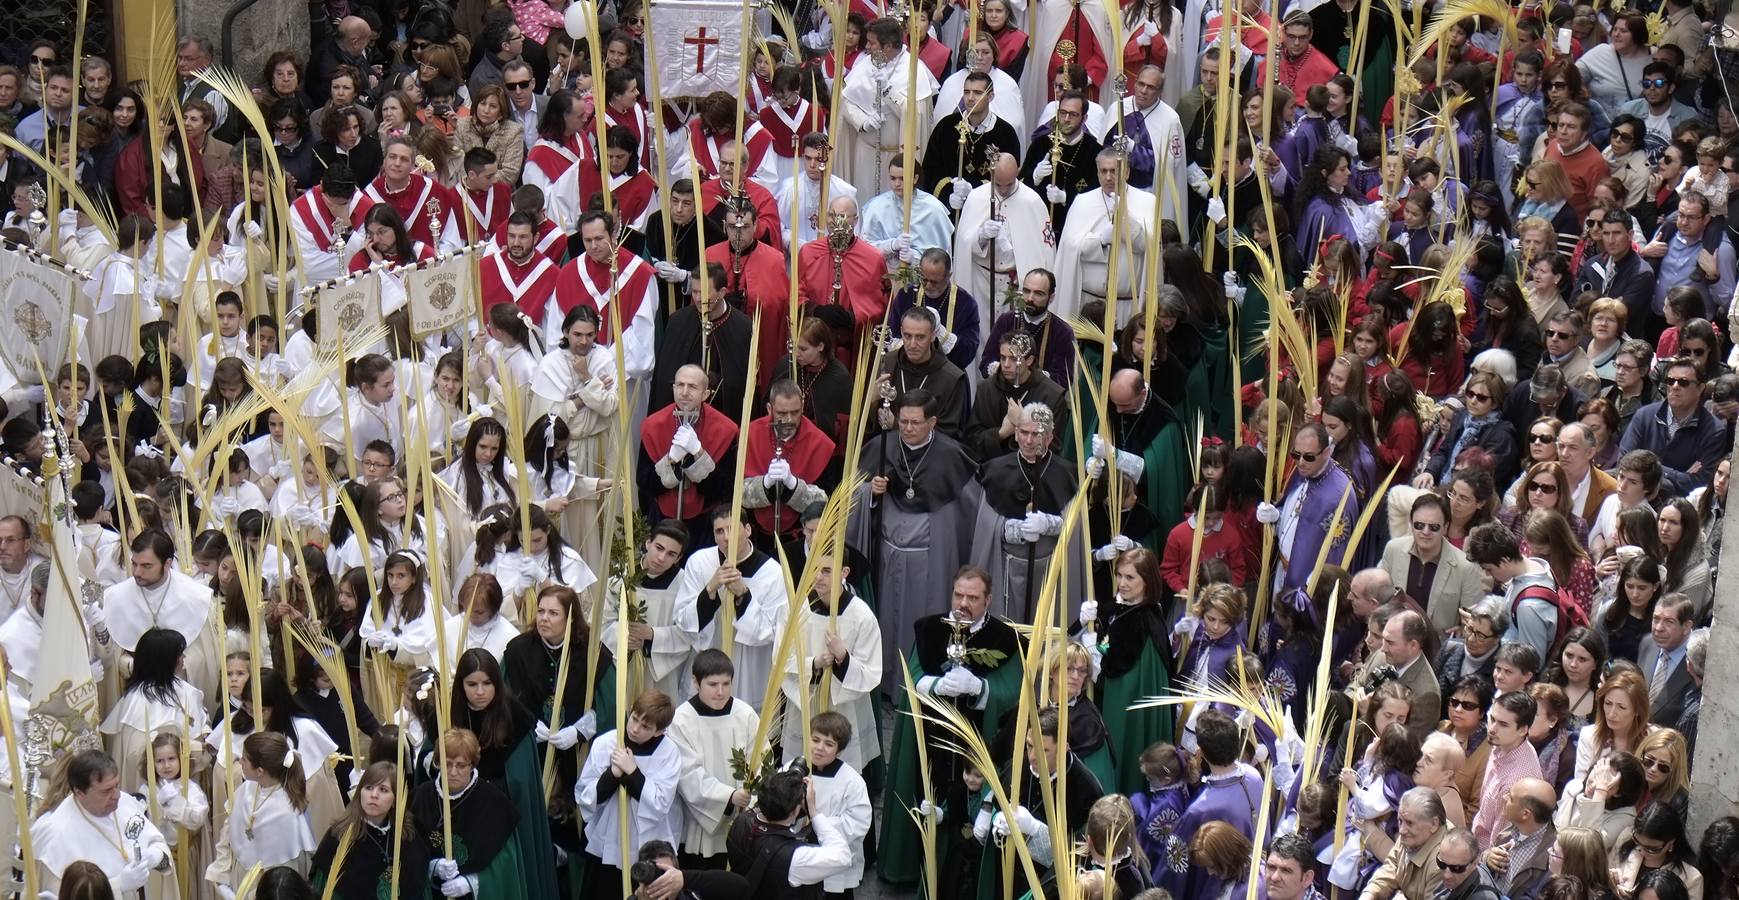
<point>815,447</point>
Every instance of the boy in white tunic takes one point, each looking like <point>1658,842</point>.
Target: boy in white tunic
<point>842,651</point>
<point>839,793</point>
<point>638,766</point>
<point>747,595</point>
<point>708,729</point>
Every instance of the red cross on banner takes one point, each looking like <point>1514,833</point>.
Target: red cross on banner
<point>700,42</point>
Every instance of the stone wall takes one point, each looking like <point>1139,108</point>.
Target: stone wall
<point>261,30</point>
<point>1715,788</point>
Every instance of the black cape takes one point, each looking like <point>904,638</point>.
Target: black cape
<point>727,359</point>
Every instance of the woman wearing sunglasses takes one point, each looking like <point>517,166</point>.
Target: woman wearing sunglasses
<point>1666,764</point>
<point>1479,425</point>
<point>1465,722</point>
<point>1657,845</point>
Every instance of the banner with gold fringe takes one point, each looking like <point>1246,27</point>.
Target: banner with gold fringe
<point>347,307</point>
<point>443,293</point>
<point>36,303</point>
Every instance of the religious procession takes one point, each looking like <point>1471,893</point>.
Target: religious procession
<point>971,450</point>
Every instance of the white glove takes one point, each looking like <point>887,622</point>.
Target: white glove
<point>587,726</point>
<point>928,810</point>
<point>566,738</point>
<point>224,891</point>
<point>999,826</point>
<point>132,878</point>
<point>989,231</point>
<point>389,644</point>
<point>1045,522</point>
<point>153,856</point>
<point>958,192</point>
<point>304,516</point>
<point>1101,450</point>
<point>96,618</point>
<point>981,826</point>
<point>990,370</point>
<point>949,339</point>
<point>1185,626</point>
<point>1043,170</point>
<point>870,124</point>
<point>960,682</point>
<point>1089,611</point>
<point>97,670</point>
<point>447,869</point>
<point>1267,513</point>
<point>1025,821</point>
<point>1106,553</point>
<point>280,470</point>
<point>1217,210</point>
<point>1011,531</point>
<point>269,281</point>
<point>1123,543</point>
<point>1234,287</point>
<point>481,411</point>
<point>355,778</point>
<point>903,242</point>
<point>690,440</point>
<point>677,452</point>
<point>1143,39</point>
<point>374,641</point>
<point>1104,232</point>
<point>226,506</point>
<point>778,472</point>
<point>253,230</point>
<point>670,271</point>
<point>1054,194</point>
<point>539,731</point>
<point>1095,466</point>
<point>910,256</point>
<point>1122,144</point>
<point>1130,465</point>
<point>455,887</point>
<point>167,791</point>
<point>148,450</point>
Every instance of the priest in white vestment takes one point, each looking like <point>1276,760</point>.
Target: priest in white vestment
<point>576,382</point>
<point>874,105</point>
<point>801,193</point>
<point>1165,133</point>
<point>159,596</point>
<point>101,824</point>
<point>1085,249</point>
<point>1005,232</point>
<point>747,596</point>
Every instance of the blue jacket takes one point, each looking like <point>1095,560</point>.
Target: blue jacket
<point>1701,440</point>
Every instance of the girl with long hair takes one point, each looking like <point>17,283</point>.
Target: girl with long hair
<point>1666,767</point>
<point>266,825</point>
<point>479,622</point>
<point>508,755</point>
<point>1627,618</point>
<point>479,476</point>
<point>1621,712</point>
<point>1112,849</point>
<point>1129,642</point>
<point>155,700</point>
<point>1326,207</point>
<point>443,407</point>
<point>1687,564</point>
<point>379,853</point>
<point>183,809</point>
<point>388,526</point>
<point>1657,846</point>
<point>405,633</point>
<point>1577,670</point>
<point>1432,357</point>
<point>1549,536</point>
<point>280,713</point>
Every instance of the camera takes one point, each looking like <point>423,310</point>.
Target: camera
<point>1381,675</point>
<point>644,873</point>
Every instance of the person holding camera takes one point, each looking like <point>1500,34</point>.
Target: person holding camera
<point>778,856</point>
<point>658,875</point>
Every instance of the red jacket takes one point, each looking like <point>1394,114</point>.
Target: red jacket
<point>1226,544</point>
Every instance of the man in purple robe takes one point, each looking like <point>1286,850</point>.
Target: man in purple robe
<point>1230,793</point>
<point>1307,513</point>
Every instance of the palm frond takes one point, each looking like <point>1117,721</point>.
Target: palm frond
<point>99,211</point>
<point>1462,10</point>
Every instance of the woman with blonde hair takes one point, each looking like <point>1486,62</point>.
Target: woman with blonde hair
<point>1582,853</point>
<point>1110,845</point>
<point>1545,191</point>
<point>1070,668</point>
<point>1215,635</point>
<point>1666,766</point>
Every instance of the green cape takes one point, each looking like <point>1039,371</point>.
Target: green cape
<point>1130,733</point>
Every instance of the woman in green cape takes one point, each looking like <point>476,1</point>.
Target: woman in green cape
<point>487,848</point>
<point>366,871</point>
<point>1132,664</point>
<point>505,732</point>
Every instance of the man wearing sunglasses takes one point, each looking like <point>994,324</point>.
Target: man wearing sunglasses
<point>1306,517</point>
<point>1688,439</point>
<point>1463,877</point>
<point>1657,109</point>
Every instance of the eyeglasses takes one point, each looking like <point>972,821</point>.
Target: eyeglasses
<point>42,60</point>
<point>388,498</point>
<point>1432,527</point>
<point>286,126</point>
<point>1458,703</point>
<point>1533,183</point>
<point>1649,849</point>
<point>1558,85</point>
<point>1478,636</point>
<point>1542,439</point>
<point>1681,382</point>
<point>1627,367</point>
<point>1688,216</point>
<point>517,85</point>
<point>1456,868</point>
<point>1542,487</point>
<point>1305,457</point>
<point>1476,395</point>
<point>1656,765</point>
<point>1623,136</point>
<point>1561,334</point>
<point>1655,82</point>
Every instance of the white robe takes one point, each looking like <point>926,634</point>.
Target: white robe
<point>1026,243</point>
<point>844,797</point>
<point>136,719</point>
<point>753,629</point>
<point>1082,262</point>
<point>1048,21</point>
<point>808,202</point>
<point>119,297</point>
<point>493,637</point>
<point>184,605</point>
<point>69,834</point>
<point>262,829</point>
<point>1006,100</point>
<point>368,422</point>
<point>853,695</point>
<point>671,646</point>
<point>1165,134</point>
<point>881,219</point>
<point>874,106</point>
<point>15,587</point>
<point>655,815</point>
<point>416,637</point>
<point>706,785</point>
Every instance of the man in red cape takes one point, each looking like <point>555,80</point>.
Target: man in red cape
<point>422,202</point>
<point>756,280</point>
<point>862,273</point>
<point>787,455</point>
<point>686,449</point>
<point>586,280</point>
<point>484,202</point>
<point>518,274</point>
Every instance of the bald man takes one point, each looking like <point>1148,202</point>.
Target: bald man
<point>1150,449</point>
<point>1005,234</point>
<point>1519,855</point>
<point>686,461</point>
<point>349,47</point>
<point>843,277</point>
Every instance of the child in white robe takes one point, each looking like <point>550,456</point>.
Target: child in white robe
<point>181,804</point>
<point>268,824</point>
<point>639,760</point>
<point>707,729</point>
<point>839,792</point>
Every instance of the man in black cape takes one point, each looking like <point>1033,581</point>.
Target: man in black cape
<point>725,338</point>
<point>682,256</point>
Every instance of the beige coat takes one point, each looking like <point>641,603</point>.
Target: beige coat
<point>1411,874</point>
<point>506,139</point>
<point>1458,584</point>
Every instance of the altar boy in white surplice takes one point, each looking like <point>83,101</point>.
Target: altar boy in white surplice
<point>157,596</point>
<point>709,729</point>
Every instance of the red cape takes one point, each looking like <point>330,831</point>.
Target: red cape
<point>571,289</point>
<point>767,288</point>
<point>493,205</point>
<point>1088,53</point>
<point>717,433</point>
<point>807,452</point>
<point>421,200</point>
<point>533,283</point>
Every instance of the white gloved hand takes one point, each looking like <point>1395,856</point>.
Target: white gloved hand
<point>132,877</point>
<point>949,340</point>
<point>677,452</point>
<point>981,826</point>
<point>148,450</point>
<point>224,891</point>
<point>990,370</point>
<point>355,778</point>
<point>989,231</point>
<point>566,738</point>
<point>1106,553</point>
<point>1143,39</point>
<point>587,726</point>
<point>1095,467</point>
<point>1032,527</point>
<point>280,470</point>
<point>1123,144</point>
<point>960,682</point>
<point>374,641</point>
<point>1104,232</point>
<point>778,472</point>
<point>1123,543</point>
<point>928,810</point>
<point>903,242</point>
<point>153,856</point>
<point>97,670</point>
<point>1043,169</point>
<point>446,868</point>
<point>1011,531</point>
<point>999,826</point>
<point>389,644</point>
<point>1054,194</point>
<point>1089,611</point>
<point>167,791</point>
<point>1267,513</point>
<point>671,272</point>
<point>870,124</point>
<point>541,732</point>
<point>96,618</point>
<point>269,281</point>
<point>1234,287</point>
<point>910,256</point>
<point>253,230</point>
<point>482,411</point>
<point>1100,449</point>
<point>455,887</point>
<point>1026,821</point>
<point>1185,626</point>
<point>226,507</point>
<point>690,440</point>
<point>958,192</point>
<point>1217,210</point>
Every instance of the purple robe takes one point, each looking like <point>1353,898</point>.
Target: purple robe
<point>1230,798</point>
<point>1415,240</point>
<point>1211,660</point>
<point>1322,218</point>
<point>1315,518</point>
<point>1157,811</point>
<point>1296,149</point>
